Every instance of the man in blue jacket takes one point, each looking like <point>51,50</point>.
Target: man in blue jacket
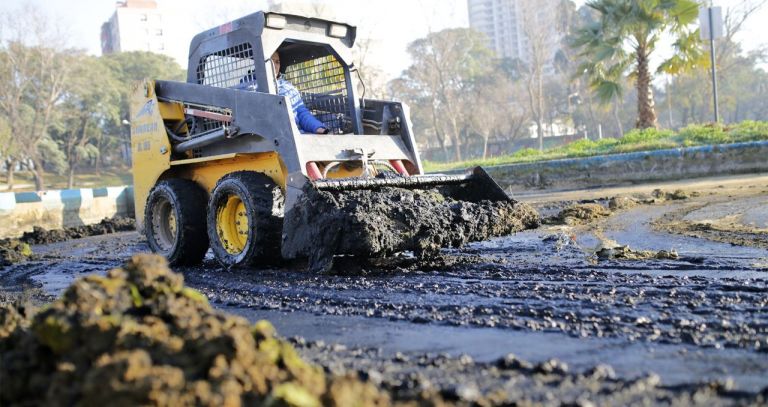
<point>306,122</point>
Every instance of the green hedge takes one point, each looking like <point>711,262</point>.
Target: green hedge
<point>635,140</point>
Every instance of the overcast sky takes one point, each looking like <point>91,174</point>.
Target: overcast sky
<point>393,23</point>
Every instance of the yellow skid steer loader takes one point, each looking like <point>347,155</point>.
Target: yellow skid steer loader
<point>219,161</point>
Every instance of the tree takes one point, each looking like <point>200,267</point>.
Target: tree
<point>126,69</point>
<point>542,46</point>
<point>444,64</point>
<point>87,108</point>
<point>742,84</point>
<point>623,39</point>
<point>34,71</point>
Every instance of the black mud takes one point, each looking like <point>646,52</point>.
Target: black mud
<point>40,235</point>
<point>140,337</point>
<point>377,223</point>
<point>510,380</point>
<point>14,250</point>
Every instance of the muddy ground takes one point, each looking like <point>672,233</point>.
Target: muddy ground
<point>633,324</point>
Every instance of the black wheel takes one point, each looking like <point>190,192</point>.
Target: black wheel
<point>245,219</point>
<point>175,221</point>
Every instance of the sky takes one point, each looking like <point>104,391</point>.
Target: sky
<point>391,24</point>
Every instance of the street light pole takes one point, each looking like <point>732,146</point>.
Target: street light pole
<point>714,68</point>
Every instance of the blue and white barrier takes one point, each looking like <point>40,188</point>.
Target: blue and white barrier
<point>57,209</point>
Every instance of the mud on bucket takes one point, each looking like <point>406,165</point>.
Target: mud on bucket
<point>380,216</point>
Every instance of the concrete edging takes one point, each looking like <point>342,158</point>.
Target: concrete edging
<point>633,168</point>
<point>57,209</point>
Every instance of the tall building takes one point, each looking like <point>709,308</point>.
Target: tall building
<point>504,23</point>
<point>136,25</point>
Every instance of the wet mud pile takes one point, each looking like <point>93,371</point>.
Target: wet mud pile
<point>138,336</point>
<point>40,235</point>
<point>376,223</point>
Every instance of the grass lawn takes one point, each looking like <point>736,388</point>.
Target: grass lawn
<point>109,177</point>
<point>635,140</point>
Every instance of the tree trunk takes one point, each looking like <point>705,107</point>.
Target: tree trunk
<point>38,172</point>
<point>619,126</point>
<point>485,145</point>
<point>11,164</point>
<point>71,176</point>
<point>456,139</point>
<point>646,114</point>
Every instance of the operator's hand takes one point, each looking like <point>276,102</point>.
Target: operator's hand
<point>321,130</point>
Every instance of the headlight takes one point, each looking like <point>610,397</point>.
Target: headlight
<point>276,21</point>
<point>337,30</point>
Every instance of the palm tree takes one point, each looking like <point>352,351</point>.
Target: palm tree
<point>621,40</point>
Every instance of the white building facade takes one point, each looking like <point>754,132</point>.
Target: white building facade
<point>504,23</point>
<point>136,25</point>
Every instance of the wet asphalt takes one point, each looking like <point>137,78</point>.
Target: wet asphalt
<point>539,295</point>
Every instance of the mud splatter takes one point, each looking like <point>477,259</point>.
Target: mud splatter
<point>388,220</point>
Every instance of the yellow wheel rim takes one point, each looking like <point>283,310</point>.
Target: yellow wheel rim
<point>232,225</point>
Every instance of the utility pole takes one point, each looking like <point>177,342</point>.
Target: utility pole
<point>711,27</point>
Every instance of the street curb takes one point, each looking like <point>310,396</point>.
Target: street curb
<point>633,168</point>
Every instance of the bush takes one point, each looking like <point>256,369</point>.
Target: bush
<point>642,136</point>
<point>703,134</point>
<point>749,130</point>
<point>526,152</point>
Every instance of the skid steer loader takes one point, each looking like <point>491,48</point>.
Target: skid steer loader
<point>219,161</point>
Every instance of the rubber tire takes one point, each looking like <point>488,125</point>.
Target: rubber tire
<point>188,201</point>
<point>263,201</point>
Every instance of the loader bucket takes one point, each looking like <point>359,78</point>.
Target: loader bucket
<point>376,217</point>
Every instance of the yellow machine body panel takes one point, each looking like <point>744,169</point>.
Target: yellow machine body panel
<point>151,152</point>
<point>150,147</point>
<point>207,171</point>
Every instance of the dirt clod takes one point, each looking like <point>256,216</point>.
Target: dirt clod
<point>13,251</point>
<point>677,194</point>
<point>622,202</point>
<point>582,213</point>
<point>626,253</point>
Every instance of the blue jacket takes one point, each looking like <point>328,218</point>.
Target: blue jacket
<point>304,119</point>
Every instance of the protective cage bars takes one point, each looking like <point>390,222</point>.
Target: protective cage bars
<point>323,86</point>
<point>230,68</point>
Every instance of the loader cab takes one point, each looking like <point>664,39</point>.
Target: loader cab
<point>315,56</point>
<point>324,82</point>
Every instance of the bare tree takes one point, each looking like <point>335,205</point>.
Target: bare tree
<point>34,71</point>
<point>542,38</point>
